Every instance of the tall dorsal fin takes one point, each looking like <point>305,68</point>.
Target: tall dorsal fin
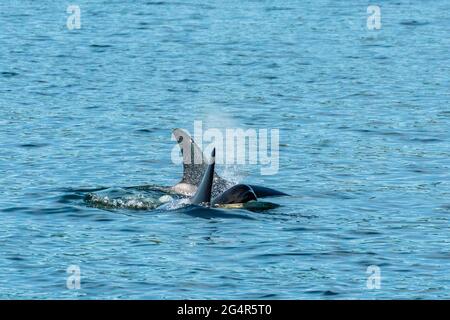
<point>204,190</point>
<point>194,164</point>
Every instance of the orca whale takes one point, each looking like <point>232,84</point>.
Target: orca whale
<point>239,193</point>
<point>195,166</point>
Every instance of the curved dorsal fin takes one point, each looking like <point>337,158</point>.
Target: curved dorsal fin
<point>194,164</point>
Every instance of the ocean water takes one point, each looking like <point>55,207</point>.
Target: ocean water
<point>364,123</point>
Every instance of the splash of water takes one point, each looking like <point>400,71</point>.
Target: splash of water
<point>214,117</point>
<point>128,198</point>
<point>130,202</point>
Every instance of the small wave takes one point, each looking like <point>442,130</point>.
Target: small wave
<point>33,145</point>
<point>414,23</point>
<point>8,74</point>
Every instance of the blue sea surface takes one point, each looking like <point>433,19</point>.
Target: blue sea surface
<point>364,120</point>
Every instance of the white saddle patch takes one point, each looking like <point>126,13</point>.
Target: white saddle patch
<point>185,189</point>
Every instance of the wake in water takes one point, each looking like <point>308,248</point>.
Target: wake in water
<point>134,198</point>
<point>153,198</point>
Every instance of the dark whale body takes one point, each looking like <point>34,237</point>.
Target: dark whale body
<point>239,193</point>
<point>195,166</point>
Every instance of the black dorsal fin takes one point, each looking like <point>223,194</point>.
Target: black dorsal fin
<point>204,190</point>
